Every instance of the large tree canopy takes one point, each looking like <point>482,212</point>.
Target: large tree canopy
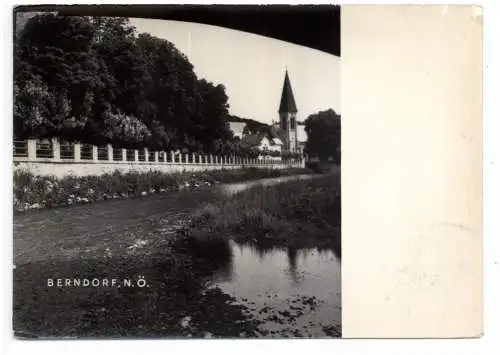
<point>323,134</point>
<point>97,80</point>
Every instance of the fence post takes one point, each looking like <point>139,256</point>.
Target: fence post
<point>136,155</point>
<point>78,151</point>
<point>94,153</point>
<point>124,154</point>
<point>146,154</point>
<point>199,158</point>
<point>56,150</point>
<point>31,149</point>
<point>172,157</point>
<point>156,160</point>
<point>110,152</point>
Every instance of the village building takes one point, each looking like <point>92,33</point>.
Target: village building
<point>292,133</point>
<point>283,136</point>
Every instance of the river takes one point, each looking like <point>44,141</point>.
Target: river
<point>293,292</point>
<point>289,292</point>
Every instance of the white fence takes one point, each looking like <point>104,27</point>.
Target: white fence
<point>51,157</point>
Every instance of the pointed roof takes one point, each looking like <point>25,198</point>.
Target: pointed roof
<point>287,101</point>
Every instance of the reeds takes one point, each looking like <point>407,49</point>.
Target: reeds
<point>301,213</point>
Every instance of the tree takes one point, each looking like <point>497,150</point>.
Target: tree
<point>323,134</point>
<point>57,49</point>
<point>53,56</point>
<point>214,110</point>
<point>171,98</point>
<point>127,130</point>
<point>123,67</point>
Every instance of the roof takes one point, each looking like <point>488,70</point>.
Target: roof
<point>287,103</point>
<point>256,139</point>
<point>252,139</point>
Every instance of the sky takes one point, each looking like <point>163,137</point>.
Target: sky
<point>252,68</point>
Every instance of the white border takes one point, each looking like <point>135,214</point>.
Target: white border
<point>484,345</point>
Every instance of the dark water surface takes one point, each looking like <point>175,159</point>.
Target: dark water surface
<point>292,292</point>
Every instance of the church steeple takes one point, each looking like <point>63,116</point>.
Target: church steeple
<point>287,100</point>
<point>288,113</point>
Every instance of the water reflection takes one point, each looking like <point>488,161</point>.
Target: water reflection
<point>283,287</point>
<point>291,253</point>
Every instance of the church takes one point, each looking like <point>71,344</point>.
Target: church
<point>292,133</point>
<point>285,135</point>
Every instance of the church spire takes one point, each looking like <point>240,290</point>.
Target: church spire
<point>287,100</point>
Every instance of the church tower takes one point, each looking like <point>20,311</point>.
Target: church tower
<point>288,121</point>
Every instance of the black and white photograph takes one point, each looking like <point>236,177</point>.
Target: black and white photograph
<point>176,172</point>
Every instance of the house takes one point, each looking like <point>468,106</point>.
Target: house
<point>270,147</point>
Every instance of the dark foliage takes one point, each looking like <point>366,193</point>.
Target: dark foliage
<point>323,135</point>
<point>96,80</point>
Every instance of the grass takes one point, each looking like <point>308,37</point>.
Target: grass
<point>32,192</point>
<point>297,214</point>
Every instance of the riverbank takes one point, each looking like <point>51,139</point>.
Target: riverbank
<point>119,240</point>
<point>139,294</point>
<point>38,192</point>
<point>137,239</point>
<point>296,214</point>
